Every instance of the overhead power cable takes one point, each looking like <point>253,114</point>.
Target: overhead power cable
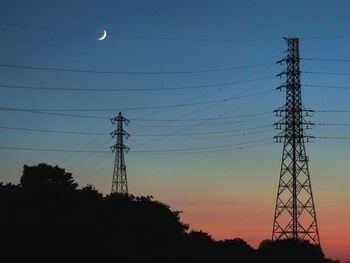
<point>142,152</point>
<point>47,28</point>
<point>332,111</point>
<point>200,86</point>
<point>327,59</point>
<point>220,136</point>
<point>137,36</point>
<point>52,150</point>
<point>151,107</point>
<point>195,125</point>
<point>54,113</point>
<point>219,117</point>
<point>221,123</point>
<point>187,115</point>
<point>334,137</point>
<point>205,148</point>
<point>57,69</point>
<point>332,124</point>
<point>204,133</point>
<point>105,133</point>
<point>244,145</point>
<point>138,151</point>
<point>235,148</point>
<point>326,86</point>
<point>50,131</point>
<point>326,73</point>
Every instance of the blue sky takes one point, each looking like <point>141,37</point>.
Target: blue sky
<point>174,36</point>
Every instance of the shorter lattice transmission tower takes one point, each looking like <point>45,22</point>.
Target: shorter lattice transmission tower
<point>295,215</point>
<point>119,182</point>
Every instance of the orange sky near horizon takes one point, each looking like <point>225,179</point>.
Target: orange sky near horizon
<point>252,221</point>
<point>335,239</point>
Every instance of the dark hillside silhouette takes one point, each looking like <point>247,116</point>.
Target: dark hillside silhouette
<point>47,216</point>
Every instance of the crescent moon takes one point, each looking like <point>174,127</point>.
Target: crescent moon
<point>103,36</point>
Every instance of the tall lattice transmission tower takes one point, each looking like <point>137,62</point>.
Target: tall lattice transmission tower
<point>119,182</point>
<point>295,215</point>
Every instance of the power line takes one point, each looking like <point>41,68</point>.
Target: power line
<point>80,116</point>
<point>84,146</point>
<point>243,145</point>
<point>220,132</point>
<point>214,136</point>
<point>137,151</point>
<point>332,111</point>
<point>157,135</point>
<point>134,135</point>
<point>327,59</point>
<point>46,28</point>
<point>50,131</point>
<point>57,69</point>
<point>53,113</point>
<point>219,117</point>
<point>149,107</point>
<point>137,119</point>
<point>131,89</point>
<point>203,133</point>
<point>124,109</point>
<point>52,150</point>
<point>142,152</point>
<point>206,108</point>
<point>327,86</point>
<point>247,115</point>
<point>210,124</point>
<point>132,35</point>
<point>187,115</point>
<point>334,137</point>
<point>326,73</point>
<point>159,110</point>
<point>104,134</point>
<point>204,148</point>
<point>237,148</point>
<point>332,124</point>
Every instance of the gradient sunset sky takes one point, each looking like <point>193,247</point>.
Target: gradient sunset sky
<point>197,79</point>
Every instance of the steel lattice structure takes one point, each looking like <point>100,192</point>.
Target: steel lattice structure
<point>120,182</point>
<point>295,216</point>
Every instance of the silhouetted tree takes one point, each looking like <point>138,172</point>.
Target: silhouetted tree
<point>10,199</point>
<point>235,250</point>
<point>89,192</point>
<point>200,237</point>
<point>290,250</point>
<point>46,215</point>
<point>200,247</point>
<point>43,176</point>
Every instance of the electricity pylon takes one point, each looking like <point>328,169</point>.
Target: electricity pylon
<point>295,215</point>
<point>119,182</point>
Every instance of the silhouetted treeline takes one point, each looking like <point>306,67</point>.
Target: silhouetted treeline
<point>47,217</point>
